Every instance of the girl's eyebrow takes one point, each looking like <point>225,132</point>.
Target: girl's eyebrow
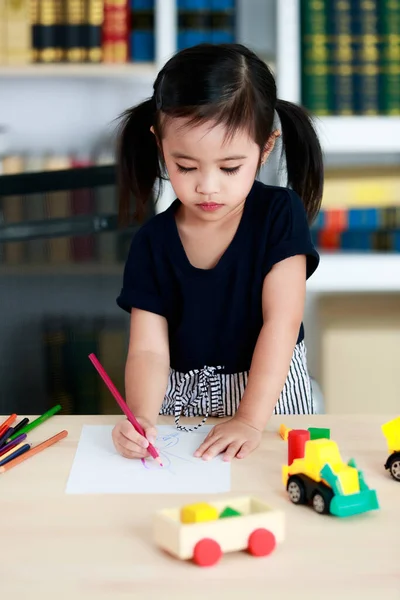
<point>180,155</point>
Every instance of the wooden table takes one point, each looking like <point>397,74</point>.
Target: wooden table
<point>54,545</point>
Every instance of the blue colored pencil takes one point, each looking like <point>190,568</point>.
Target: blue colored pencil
<point>6,435</point>
<point>18,452</point>
<point>15,442</point>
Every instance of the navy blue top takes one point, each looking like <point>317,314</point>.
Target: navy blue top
<point>215,315</point>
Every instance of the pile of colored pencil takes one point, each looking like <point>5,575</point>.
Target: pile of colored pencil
<point>13,446</point>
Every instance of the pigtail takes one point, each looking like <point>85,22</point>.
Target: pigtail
<point>137,160</point>
<point>303,155</point>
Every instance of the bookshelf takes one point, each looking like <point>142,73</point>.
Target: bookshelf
<point>350,273</point>
<point>165,25</point>
<point>145,71</point>
<point>72,269</point>
<point>339,135</point>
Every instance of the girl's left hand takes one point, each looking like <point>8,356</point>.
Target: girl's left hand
<point>234,437</point>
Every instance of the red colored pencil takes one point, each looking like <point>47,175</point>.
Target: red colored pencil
<point>123,405</point>
<point>6,424</point>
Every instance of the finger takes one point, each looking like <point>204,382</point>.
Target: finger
<point>231,451</point>
<point>128,430</point>
<point>245,450</point>
<point>138,454</point>
<point>151,434</point>
<point>216,448</point>
<point>130,446</point>
<point>205,445</point>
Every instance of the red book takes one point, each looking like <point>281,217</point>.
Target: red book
<point>116,28</point>
<point>329,240</point>
<point>336,219</point>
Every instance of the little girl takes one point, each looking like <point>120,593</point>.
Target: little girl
<point>215,285</point>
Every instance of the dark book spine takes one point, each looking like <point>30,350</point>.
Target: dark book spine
<point>142,39</point>
<point>36,31</point>
<point>194,23</point>
<point>366,56</point>
<point>75,45</point>
<point>222,21</point>
<point>49,50</point>
<point>341,56</point>
<point>93,28</point>
<point>57,377</point>
<point>82,338</point>
<point>315,82</point>
<point>389,29</point>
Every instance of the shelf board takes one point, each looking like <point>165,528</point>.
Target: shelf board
<point>359,134</point>
<point>337,272</point>
<point>351,273</point>
<point>63,70</point>
<point>60,269</point>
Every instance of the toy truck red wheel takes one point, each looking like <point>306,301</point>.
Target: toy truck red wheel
<point>207,552</point>
<point>261,542</point>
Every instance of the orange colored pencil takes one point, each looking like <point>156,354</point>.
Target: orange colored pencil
<point>34,450</point>
<point>4,426</point>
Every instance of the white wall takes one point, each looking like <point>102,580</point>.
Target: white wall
<point>64,115</point>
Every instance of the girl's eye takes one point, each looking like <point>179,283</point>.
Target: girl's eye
<point>185,169</point>
<point>227,170</point>
<point>230,171</point>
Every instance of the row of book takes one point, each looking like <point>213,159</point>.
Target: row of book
<point>350,57</point>
<point>109,31</point>
<point>359,229</point>
<point>71,379</point>
<point>357,240</point>
<point>108,247</point>
<point>360,210</point>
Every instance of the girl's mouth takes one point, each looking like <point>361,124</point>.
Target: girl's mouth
<point>210,206</point>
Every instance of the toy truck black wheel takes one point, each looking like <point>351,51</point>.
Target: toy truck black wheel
<point>296,490</point>
<point>321,499</point>
<point>319,504</point>
<point>393,464</point>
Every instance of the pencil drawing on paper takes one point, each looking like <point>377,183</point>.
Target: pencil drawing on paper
<point>164,445</point>
<point>99,469</point>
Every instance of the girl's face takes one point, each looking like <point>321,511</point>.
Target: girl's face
<point>211,176</point>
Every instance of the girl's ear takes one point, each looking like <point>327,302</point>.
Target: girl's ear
<point>157,140</point>
<point>269,146</point>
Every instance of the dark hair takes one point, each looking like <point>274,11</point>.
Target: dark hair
<point>231,85</point>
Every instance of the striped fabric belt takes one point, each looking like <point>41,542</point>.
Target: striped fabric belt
<point>210,392</point>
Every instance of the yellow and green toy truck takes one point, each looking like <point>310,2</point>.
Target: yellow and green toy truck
<point>391,431</point>
<point>316,475</point>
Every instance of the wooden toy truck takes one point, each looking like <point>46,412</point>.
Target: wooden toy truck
<point>203,532</point>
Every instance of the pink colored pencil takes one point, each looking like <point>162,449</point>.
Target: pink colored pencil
<point>123,405</point>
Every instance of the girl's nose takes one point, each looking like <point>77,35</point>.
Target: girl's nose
<point>207,185</point>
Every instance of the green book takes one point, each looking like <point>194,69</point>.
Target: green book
<point>315,84</point>
<point>389,29</point>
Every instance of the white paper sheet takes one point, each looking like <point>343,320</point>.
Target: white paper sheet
<point>99,469</point>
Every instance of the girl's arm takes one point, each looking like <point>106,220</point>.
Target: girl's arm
<point>147,365</point>
<point>283,301</point>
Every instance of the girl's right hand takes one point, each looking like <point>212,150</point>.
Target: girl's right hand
<point>129,442</point>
